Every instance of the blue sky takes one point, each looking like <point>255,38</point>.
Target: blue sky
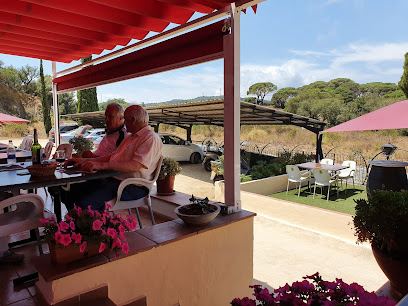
<point>288,43</point>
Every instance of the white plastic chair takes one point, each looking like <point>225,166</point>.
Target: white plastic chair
<point>347,173</point>
<point>117,204</point>
<point>327,161</point>
<point>68,148</point>
<point>29,209</point>
<point>296,177</point>
<point>48,149</point>
<point>26,144</point>
<point>323,179</point>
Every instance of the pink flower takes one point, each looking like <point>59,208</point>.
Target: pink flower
<point>264,295</point>
<point>108,205</point>
<point>121,229</point>
<point>111,232</point>
<point>77,209</point>
<point>76,237</point>
<point>125,248</point>
<point>44,221</point>
<point>66,239</point>
<point>102,247</point>
<point>53,220</point>
<point>72,225</point>
<point>130,218</point>
<point>114,222</point>
<point>58,237</point>
<point>68,218</point>
<point>103,232</point>
<point>116,243</point>
<point>91,212</point>
<point>82,247</point>
<point>97,224</point>
<point>63,226</point>
<point>133,225</point>
<point>104,219</point>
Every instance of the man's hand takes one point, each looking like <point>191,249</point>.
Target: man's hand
<point>91,166</point>
<point>75,162</point>
<point>88,154</point>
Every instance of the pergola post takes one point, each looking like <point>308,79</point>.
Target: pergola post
<point>188,130</point>
<point>55,107</point>
<point>232,163</point>
<point>319,151</point>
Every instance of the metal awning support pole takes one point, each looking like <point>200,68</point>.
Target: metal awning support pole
<point>188,130</point>
<point>319,151</point>
<point>232,163</point>
<point>55,106</point>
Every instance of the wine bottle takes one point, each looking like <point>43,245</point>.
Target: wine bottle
<point>36,150</point>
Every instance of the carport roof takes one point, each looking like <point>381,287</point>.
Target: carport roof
<point>212,113</point>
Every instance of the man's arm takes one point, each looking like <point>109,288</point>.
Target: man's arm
<point>76,162</point>
<point>128,166</point>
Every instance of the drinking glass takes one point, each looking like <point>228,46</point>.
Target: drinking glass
<point>60,157</point>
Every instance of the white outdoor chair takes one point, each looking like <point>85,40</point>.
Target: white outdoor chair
<point>29,208</point>
<point>327,161</point>
<point>296,177</point>
<point>347,173</point>
<point>26,144</point>
<point>117,204</point>
<point>322,179</point>
<point>68,148</point>
<point>48,149</point>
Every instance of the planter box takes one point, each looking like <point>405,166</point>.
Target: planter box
<point>263,186</point>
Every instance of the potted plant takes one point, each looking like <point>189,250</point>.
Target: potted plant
<point>80,145</point>
<point>383,221</point>
<point>86,232</point>
<point>168,171</point>
<point>314,292</point>
<point>199,212</point>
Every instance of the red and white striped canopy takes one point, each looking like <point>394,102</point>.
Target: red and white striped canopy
<point>66,30</point>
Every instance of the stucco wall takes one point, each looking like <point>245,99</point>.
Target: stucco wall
<point>210,268</point>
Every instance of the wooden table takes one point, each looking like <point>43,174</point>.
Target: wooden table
<point>21,155</point>
<point>311,165</point>
<point>10,180</point>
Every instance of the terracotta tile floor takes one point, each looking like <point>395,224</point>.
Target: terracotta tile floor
<point>26,295</point>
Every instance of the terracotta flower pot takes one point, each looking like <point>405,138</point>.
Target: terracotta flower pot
<point>165,186</point>
<point>62,255</point>
<point>395,270</point>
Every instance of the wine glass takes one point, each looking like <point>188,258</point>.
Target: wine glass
<point>59,157</point>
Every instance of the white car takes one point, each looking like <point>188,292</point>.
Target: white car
<point>65,137</point>
<point>94,134</point>
<point>180,149</point>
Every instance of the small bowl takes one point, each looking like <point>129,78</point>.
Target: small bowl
<point>197,220</point>
<point>43,169</point>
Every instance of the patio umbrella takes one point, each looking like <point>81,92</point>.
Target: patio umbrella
<point>393,116</point>
<point>7,119</point>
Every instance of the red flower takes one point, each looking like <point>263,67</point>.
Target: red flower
<point>102,247</point>
<point>97,225</point>
<point>76,237</point>
<point>82,247</point>
<point>65,239</point>
<point>125,248</point>
<point>63,226</point>
<point>112,233</point>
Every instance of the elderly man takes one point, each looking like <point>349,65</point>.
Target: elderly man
<point>115,131</point>
<point>137,156</point>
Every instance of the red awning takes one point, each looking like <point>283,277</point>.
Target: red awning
<point>7,119</point>
<point>66,30</point>
<point>391,117</point>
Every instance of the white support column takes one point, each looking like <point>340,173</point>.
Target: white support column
<point>55,106</point>
<point>232,162</point>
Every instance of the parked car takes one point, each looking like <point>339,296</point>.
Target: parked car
<point>83,130</point>
<point>94,134</point>
<point>180,149</point>
<point>65,127</point>
<point>65,137</point>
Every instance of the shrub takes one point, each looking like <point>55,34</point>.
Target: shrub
<point>14,130</point>
<point>245,178</point>
<point>81,144</point>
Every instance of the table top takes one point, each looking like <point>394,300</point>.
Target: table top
<point>20,154</point>
<point>11,180</point>
<point>311,165</point>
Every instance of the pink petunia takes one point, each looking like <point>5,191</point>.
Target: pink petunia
<point>82,247</point>
<point>125,248</point>
<point>44,221</point>
<point>66,239</point>
<point>133,225</point>
<point>58,237</point>
<point>63,226</point>
<point>91,212</point>
<point>103,219</point>
<point>97,225</point>
<point>103,232</point>
<point>130,218</point>
<point>76,237</point>
<point>102,247</point>
<point>53,220</point>
<point>77,209</point>
<point>114,221</point>
<point>111,232</point>
<point>116,243</point>
<point>68,218</point>
<point>121,229</point>
<point>108,205</point>
<point>72,225</point>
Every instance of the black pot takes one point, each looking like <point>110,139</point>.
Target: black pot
<point>387,175</point>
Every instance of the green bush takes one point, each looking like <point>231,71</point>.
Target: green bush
<point>81,144</point>
<point>245,178</point>
<point>14,130</point>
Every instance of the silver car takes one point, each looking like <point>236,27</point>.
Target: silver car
<point>180,149</point>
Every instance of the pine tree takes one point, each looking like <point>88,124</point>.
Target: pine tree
<point>403,83</point>
<point>44,102</point>
<point>87,98</point>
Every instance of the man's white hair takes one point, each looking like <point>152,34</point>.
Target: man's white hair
<point>139,113</point>
<point>115,106</point>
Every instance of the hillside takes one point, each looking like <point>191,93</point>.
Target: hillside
<point>180,101</point>
<point>19,104</point>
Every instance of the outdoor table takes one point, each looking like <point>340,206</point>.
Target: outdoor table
<point>311,165</point>
<point>10,180</point>
<point>21,155</point>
